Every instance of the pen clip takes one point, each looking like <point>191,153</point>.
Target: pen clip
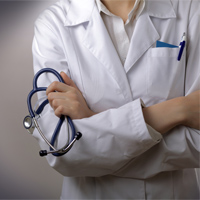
<point>181,46</point>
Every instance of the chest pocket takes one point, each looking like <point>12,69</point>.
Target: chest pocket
<point>165,74</point>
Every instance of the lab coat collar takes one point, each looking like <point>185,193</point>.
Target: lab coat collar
<point>80,11</point>
<point>160,9</point>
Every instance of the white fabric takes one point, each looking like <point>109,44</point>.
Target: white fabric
<point>117,158</point>
<point>119,32</point>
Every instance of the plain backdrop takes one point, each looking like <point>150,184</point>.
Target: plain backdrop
<point>23,173</point>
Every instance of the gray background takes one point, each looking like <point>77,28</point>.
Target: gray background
<point>23,173</point>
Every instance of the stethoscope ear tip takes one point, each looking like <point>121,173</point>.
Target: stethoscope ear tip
<point>78,135</point>
<point>43,153</point>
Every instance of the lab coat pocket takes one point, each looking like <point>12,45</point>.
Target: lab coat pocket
<point>165,79</point>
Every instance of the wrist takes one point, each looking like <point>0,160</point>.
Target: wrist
<point>184,107</point>
<point>91,113</point>
<point>179,104</point>
<point>165,115</point>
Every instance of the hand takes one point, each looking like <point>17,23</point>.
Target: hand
<point>191,110</point>
<point>66,99</point>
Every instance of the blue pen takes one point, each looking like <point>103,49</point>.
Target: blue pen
<point>181,46</point>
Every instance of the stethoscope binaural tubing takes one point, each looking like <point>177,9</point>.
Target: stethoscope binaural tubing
<point>38,89</point>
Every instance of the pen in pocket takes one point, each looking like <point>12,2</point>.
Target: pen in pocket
<point>181,46</point>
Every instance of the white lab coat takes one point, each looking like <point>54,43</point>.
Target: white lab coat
<point>118,157</point>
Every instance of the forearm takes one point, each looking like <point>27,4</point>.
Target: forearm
<point>164,116</point>
<point>178,111</point>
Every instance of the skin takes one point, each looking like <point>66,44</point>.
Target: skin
<point>119,8</point>
<point>178,111</point>
<point>68,100</point>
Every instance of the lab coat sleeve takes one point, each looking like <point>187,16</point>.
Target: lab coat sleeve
<point>180,148</point>
<point>47,53</point>
<point>108,142</point>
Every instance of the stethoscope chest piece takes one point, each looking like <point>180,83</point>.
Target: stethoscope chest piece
<point>29,124</point>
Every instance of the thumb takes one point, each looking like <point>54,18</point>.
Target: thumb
<point>67,80</point>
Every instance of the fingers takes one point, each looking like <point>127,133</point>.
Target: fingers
<point>64,103</point>
<point>70,95</point>
<point>58,86</point>
<point>61,107</point>
<point>60,103</point>
<point>66,107</point>
<point>62,87</point>
<point>55,95</point>
<point>67,80</point>
<point>60,110</point>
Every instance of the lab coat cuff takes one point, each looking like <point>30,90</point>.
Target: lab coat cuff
<point>155,135</point>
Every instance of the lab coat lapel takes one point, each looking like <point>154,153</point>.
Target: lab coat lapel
<point>145,34</point>
<point>141,40</point>
<point>99,43</point>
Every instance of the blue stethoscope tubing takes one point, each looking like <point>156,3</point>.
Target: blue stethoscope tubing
<point>75,136</point>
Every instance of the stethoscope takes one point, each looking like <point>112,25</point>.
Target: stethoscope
<point>30,121</point>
